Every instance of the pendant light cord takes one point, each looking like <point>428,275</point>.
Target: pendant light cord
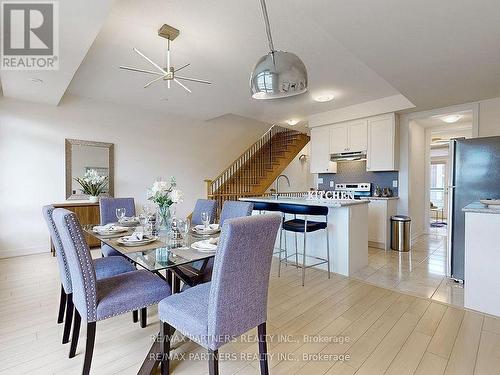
<point>268,27</point>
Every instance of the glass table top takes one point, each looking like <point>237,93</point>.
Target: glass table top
<point>162,254</point>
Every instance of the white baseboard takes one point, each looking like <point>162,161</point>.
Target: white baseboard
<point>10,253</point>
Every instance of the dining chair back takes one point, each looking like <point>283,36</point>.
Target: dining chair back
<point>232,209</point>
<point>80,264</point>
<point>204,205</point>
<point>60,255</point>
<point>240,278</point>
<point>108,206</point>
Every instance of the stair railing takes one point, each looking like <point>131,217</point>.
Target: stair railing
<point>235,181</point>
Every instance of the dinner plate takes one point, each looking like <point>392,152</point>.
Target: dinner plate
<point>491,203</point>
<point>204,246</point>
<point>143,242</point>
<point>200,229</point>
<point>129,222</point>
<point>110,233</point>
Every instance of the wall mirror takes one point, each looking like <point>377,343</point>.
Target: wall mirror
<point>84,156</point>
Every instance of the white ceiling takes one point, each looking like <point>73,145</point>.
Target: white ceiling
<point>222,40</point>
<point>436,53</point>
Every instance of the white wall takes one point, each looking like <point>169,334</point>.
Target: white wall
<point>417,163</point>
<point>489,117</point>
<point>147,145</point>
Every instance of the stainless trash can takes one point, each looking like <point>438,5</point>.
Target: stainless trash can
<point>400,233</point>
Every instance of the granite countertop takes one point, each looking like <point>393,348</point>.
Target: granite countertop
<point>379,198</point>
<point>480,208</point>
<point>306,202</point>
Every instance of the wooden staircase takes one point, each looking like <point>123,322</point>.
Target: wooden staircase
<point>256,169</point>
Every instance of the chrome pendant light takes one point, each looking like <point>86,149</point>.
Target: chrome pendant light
<point>278,74</point>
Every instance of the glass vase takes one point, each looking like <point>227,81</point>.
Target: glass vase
<point>165,218</point>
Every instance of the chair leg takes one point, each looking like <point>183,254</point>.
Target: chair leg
<point>213,362</point>
<point>144,317</point>
<point>261,330</point>
<point>89,348</point>
<point>62,305</point>
<point>76,334</point>
<point>135,316</point>
<point>69,317</point>
<point>327,249</point>
<point>165,332</point>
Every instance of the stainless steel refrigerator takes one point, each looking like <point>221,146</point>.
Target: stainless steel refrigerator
<point>474,175</point>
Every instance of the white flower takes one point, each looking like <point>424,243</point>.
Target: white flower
<point>176,196</point>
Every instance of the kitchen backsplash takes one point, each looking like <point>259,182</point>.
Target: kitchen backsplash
<point>355,171</point>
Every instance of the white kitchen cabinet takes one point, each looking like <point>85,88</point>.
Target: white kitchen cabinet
<point>339,139</point>
<point>358,135</point>
<point>349,136</point>
<point>379,220</point>
<point>320,151</point>
<point>382,152</point>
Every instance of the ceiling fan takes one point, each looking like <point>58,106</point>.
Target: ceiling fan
<point>169,73</point>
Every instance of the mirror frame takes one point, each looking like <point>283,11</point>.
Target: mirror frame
<point>68,143</point>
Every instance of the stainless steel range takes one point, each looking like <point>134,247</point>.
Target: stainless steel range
<point>357,190</point>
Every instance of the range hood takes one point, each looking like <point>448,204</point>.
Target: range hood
<point>348,156</point>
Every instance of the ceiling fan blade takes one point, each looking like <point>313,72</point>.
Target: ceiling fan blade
<point>138,70</point>
<point>150,61</point>
<point>183,86</point>
<point>182,67</point>
<point>153,81</point>
<point>194,80</point>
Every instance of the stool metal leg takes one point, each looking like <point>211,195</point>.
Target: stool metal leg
<point>327,248</point>
<point>279,262</point>
<point>296,248</point>
<point>304,254</point>
<point>286,251</point>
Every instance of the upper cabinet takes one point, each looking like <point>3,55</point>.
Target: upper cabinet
<point>382,152</point>
<point>376,135</point>
<point>349,136</point>
<point>320,151</point>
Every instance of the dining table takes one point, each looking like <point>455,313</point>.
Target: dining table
<point>173,256</point>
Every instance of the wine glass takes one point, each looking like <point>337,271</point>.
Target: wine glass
<point>120,213</point>
<point>205,219</point>
<point>184,229</point>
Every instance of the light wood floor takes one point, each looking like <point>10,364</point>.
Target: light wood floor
<point>376,330</point>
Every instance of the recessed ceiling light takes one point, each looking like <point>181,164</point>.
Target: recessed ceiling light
<point>38,81</point>
<point>451,118</point>
<point>324,98</point>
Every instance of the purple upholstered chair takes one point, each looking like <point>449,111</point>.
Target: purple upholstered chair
<point>204,205</point>
<point>104,267</point>
<point>96,299</point>
<point>232,209</point>
<point>235,301</point>
<point>107,210</point>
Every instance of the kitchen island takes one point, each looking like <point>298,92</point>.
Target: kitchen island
<point>347,230</point>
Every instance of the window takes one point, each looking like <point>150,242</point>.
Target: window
<point>438,184</point>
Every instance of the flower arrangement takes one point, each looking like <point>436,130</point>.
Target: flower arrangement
<point>165,194</point>
<point>92,183</point>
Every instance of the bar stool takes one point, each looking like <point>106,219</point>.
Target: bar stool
<point>304,226</point>
<point>273,207</point>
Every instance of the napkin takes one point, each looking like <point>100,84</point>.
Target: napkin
<point>211,227</point>
<point>136,236</point>
<point>103,228</point>
<point>128,219</point>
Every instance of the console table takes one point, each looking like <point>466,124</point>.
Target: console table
<point>87,213</point>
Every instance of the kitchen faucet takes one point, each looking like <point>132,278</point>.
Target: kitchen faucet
<point>278,184</point>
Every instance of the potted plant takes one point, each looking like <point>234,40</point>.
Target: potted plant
<point>93,184</point>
